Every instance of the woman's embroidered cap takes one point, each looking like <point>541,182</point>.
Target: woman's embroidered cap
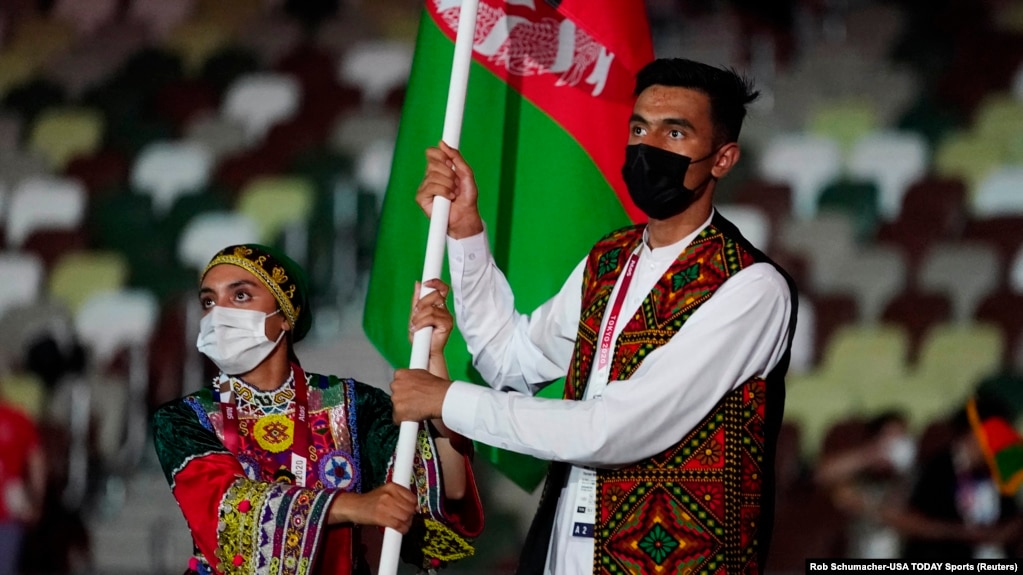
<point>285,279</point>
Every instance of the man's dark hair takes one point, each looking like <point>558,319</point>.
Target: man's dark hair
<point>729,91</point>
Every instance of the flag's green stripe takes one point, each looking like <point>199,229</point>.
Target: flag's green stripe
<point>543,199</point>
<point>1009,460</point>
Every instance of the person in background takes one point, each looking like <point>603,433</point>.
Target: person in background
<point>958,507</point>
<point>275,469</point>
<point>870,475</point>
<point>22,483</point>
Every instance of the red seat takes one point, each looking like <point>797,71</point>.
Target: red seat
<point>939,203</point>
<point>1004,309</point>
<point>832,312</point>
<point>917,312</point>
<point>182,102</point>
<point>1004,233</point>
<point>774,199</point>
<point>101,172</point>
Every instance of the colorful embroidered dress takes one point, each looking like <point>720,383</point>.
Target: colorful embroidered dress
<point>697,507</point>
<point>242,505</point>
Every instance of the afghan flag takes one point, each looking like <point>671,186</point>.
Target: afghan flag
<point>545,128</point>
<point>1002,447</point>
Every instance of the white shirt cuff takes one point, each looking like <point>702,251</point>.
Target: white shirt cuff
<point>469,253</point>
<point>459,409</point>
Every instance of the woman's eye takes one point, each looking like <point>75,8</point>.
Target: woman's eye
<point>241,296</point>
<point>206,303</point>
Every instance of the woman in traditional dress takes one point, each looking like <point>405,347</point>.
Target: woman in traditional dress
<point>276,470</point>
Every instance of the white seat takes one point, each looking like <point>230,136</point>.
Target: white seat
<point>112,319</point>
<point>873,277</point>
<point>825,241</point>
<point>377,66</point>
<point>751,221</point>
<point>20,164</point>
<point>373,166</point>
<point>803,351</point>
<point>1000,193</point>
<point>893,160</point>
<point>167,170</point>
<point>1016,273</point>
<point>966,272</point>
<point>44,202</point>
<point>258,101</point>
<point>22,283</point>
<point>221,136</point>
<point>206,234</point>
<point>805,162</point>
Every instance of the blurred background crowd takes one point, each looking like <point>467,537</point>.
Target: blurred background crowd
<point>883,167</point>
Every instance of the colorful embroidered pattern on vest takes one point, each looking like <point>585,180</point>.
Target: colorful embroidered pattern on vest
<point>694,507</point>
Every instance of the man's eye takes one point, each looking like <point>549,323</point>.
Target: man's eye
<point>637,131</point>
<point>676,134</point>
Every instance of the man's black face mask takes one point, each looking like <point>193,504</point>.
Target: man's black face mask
<point>656,180</point>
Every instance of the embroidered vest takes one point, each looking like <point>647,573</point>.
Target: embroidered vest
<point>698,504</point>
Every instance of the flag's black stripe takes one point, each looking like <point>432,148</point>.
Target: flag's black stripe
<point>554,3</point>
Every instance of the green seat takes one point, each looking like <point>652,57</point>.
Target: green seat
<point>844,121</point>
<point>859,200</point>
<point>276,203</point>
<point>78,275</point>
<point>60,134</point>
<point>968,157</point>
<point>931,120</point>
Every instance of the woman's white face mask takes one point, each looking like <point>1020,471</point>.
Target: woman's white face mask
<point>235,339</point>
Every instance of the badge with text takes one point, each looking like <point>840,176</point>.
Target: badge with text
<point>585,512</point>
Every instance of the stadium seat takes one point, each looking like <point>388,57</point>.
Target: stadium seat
<point>44,203</point>
<point>221,136</point>
<point>60,134</point>
<point>78,275</point>
<point>376,66</point>
<point>954,358</point>
<point>894,160</point>
<point>966,272</point>
<point>825,242</point>
<point>967,157</point>
<point>873,276</point>
<point>208,233</point>
<point>258,101</point>
<point>278,204</point>
<point>23,279</point>
<point>917,312</point>
<point>858,200</point>
<point>803,353</point>
<point>1003,233</point>
<point>170,169</point>
<point>1000,193</point>
<point>114,319</point>
<point>803,162</point>
<point>845,121</point>
<point>1003,309</point>
<point>751,221</point>
<point>774,200</point>
<point>1016,272</point>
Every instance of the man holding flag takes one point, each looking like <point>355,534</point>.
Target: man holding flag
<point>674,339</point>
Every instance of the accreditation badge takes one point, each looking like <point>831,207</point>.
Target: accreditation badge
<point>584,513</point>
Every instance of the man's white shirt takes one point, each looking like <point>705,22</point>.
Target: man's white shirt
<point>737,334</point>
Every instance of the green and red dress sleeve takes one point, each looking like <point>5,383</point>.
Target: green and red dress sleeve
<point>443,529</point>
<point>239,525</point>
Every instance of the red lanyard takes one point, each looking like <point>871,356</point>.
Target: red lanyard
<point>300,418</point>
<point>606,339</point>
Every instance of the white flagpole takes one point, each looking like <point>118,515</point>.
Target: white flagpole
<point>405,451</point>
